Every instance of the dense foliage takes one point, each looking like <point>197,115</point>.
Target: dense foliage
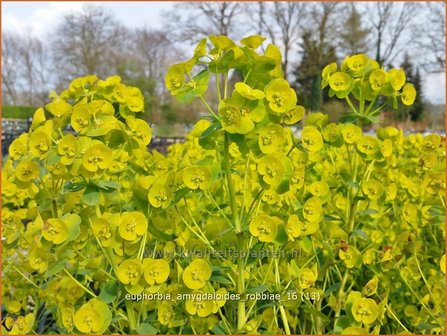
<point>244,228</point>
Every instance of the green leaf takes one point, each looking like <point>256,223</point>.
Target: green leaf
<point>109,292</point>
<point>106,185</point>
<point>211,129</point>
<point>257,289</point>
<point>146,329</point>
<point>360,233</point>
<point>55,268</point>
<point>179,194</point>
<point>91,195</point>
<point>76,186</point>
<point>221,279</point>
<point>73,222</point>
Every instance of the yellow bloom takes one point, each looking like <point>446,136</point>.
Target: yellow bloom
<point>197,177</point>
<point>27,171</point>
<point>368,145</point>
<point>247,92</point>
<point>408,94</point>
<point>93,317</point>
<point>377,79</point>
<point>175,77</point>
<point>313,209</point>
<point>80,118</point>
<point>365,310</point>
<point>397,78</point>
<point>130,271</point>
<point>307,278</point>
<point>132,225</point>
<point>357,62</point>
<point>292,116</point>
<point>311,139</point>
<point>351,133</point>
<point>264,227</point>
<point>272,168</point>
<point>199,307</point>
<point>328,70</point>
<point>59,108</point>
<point>19,147</point>
<point>156,271</point>
<point>340,81</point>
<point>67,148</point>
<point>271,138</point>
<point>165,313</point>
<point>103,231</point>
<point>350,256</point>
<point>55,230</point>
<point>280,95</point>
<point>39,144</point>
<point>98,156</point>
<point>22,325</point>
<point>139,130</point>
<point>160,195</point>
<point>196,274</point>
<point>372,189</point>
<point>296,228</point>
<point>319,188</point>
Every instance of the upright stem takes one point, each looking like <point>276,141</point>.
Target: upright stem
<point>240,283</point>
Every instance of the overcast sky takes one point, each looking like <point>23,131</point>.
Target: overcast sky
<point>40,18</point>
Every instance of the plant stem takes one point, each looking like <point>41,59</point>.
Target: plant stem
<point>241,318</point>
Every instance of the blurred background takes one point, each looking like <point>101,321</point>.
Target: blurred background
<point>46,44</point>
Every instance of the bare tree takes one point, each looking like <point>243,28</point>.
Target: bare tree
<point>10,69</point>
<point>282,23</point>
<point>390,21</point>
<point>87,42</point>
<point>430,38</point>
<point>203,19</point>
<point>354,35</point>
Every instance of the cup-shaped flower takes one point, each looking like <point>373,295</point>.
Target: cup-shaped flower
<point>97,156</point>
<point>372,189</point>
<point>292,116</point>
<point>340,81</point>
<point>313,209</point>
<point>39,144</point>
<point>280,96</point>
<point>271,139</point>
<point>156,271</point>
<point>175,77</point>
<point>197,177</point>
<point>27,171</point>
<point>328,70</point>
<point>132,225</point>
<point>296,228</point>
<point>130,271</point>
<point>311,139</point>
<point>396,77</point>
<point>103,231</point>
<point>55,230</point>
<point>160,195</point>
<point>19,147</point>
<point>165,313</point>
<point>196,274</point>
<point>93,317</point>
<point>319,188</point>
<point>350,256</point>
<point>351,133</point>
<point>272,168</point>
<point>67,148</point>
<point>22,325</point>
<point>365,310</point>
<point>357,63</point>
<point>81,118</point>
<point>368,145</point>
<point>264,227</point>
<point>198,306</point>
<point>139,130</point>
<point>408,94</point>
<point>377,79</point>
<point>230,117</point>
<point>307,278</point>
<point>59,108</point>
<point>247,92</point>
